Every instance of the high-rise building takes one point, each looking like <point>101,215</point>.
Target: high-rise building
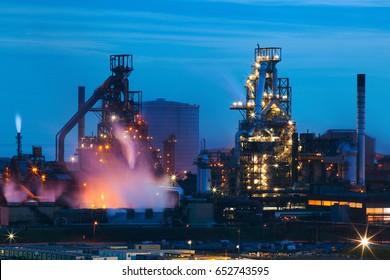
<point>181,119</point>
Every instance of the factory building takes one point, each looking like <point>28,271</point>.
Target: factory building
<point>350,136</point>
<point>332,157</point>
<point>180,119</point>
<point>116,167</point>
<point>271,168</point>
<point>335,166</point>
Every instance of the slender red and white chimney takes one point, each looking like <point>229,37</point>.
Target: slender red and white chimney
<point>360,129</point>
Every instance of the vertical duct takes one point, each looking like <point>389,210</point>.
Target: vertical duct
<point>361,126</point>
<point>19,144</point>
<point>81,123</point>
<point>294,160</point>
<point>260,89</point>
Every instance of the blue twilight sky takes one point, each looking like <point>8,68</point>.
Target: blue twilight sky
<point>194,51</point>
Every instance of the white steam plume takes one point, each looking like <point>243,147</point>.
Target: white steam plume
<point>18,123</point>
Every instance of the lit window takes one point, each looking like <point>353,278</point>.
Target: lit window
<point>314,202</point>
<point>326,203</point>
<point>378,210</point>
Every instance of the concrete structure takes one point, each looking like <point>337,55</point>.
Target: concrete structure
<point>200,213</point>
<point>181,119</point>
<point>27,214</point>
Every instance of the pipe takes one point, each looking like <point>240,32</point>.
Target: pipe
<point>275,82</point>
<point>81,123</point>
<point>60,136</point>
<point>361,126</point>
<point>260,89</point>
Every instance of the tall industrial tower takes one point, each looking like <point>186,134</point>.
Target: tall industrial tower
<point>121,132</point>
<point>264,141</point>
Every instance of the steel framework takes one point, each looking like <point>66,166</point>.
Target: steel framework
<point>119,113</point>
<point>264,141</point>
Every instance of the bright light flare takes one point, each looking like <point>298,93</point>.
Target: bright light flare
<point>364,242</point>
<point>11,236</point>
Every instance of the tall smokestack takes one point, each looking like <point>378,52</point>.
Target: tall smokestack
<point>81,124</point>
<point>19,144</point>
<point>361,126</point>
<point>18,123</point>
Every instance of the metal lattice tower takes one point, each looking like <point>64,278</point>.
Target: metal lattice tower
<point>264,140</point>
<point>119,113</point>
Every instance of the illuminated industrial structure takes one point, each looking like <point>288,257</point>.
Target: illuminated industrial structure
<point>223,172</point>
<point>120,123</point>
<point>264,141</point>
<point>270,167</point>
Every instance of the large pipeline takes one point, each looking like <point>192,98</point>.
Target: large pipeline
<point>260,89</point>
<point>60,137</point>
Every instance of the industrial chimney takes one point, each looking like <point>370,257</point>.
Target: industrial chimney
<point>18,124</point>
<point>360,128</point>
<point>81,123</point>
<point>19,144</point>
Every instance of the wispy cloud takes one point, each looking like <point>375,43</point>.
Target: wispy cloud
<point>81,30</point>
<point>354,3</point>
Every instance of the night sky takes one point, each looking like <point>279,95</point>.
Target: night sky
<point>197,52</point>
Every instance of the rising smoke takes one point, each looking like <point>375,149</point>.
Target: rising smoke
<point>127,145</point>
<point>118,179</point>
<point>123,180</point>
<point>18,123</point>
